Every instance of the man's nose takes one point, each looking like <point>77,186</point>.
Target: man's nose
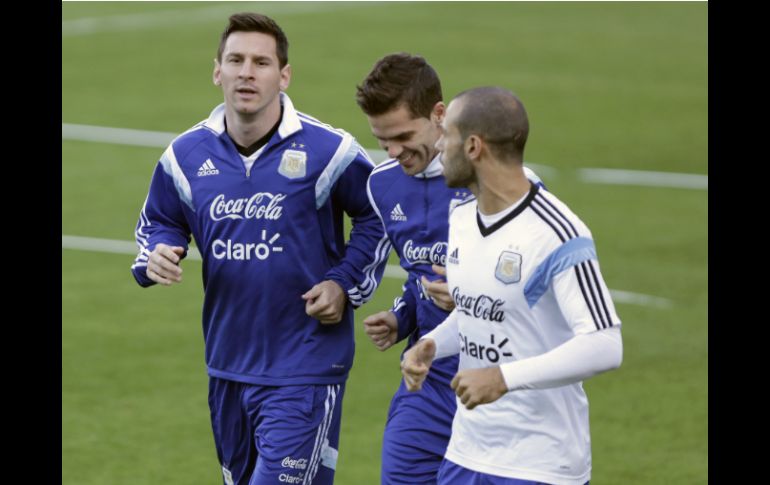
<point>394,150</point>
<point>247,70</point>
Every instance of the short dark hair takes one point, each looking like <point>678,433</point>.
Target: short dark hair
<point>400,79</point>
<point>255,22</point>
<point>497,116</point>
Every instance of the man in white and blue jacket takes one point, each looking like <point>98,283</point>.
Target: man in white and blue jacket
<point>263,189</point>
<point>402,99</point>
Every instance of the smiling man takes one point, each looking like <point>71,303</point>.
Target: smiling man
<point>263,188</point>
<point>403,103</point>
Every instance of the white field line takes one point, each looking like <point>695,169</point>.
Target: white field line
<point>190,16</point>
<point>161,139</point>
<point>644,178</point>
<point>391,271</point>
<point>117,136</point>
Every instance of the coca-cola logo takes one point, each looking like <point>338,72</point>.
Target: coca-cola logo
<point>299,463</point>
<point>262,205</point>
<point>435,254</point>
<point>482,306</point>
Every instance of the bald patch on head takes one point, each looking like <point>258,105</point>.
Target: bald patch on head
<point>497,116</point>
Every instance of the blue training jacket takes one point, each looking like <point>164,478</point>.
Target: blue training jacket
<point>266,236</point>
<point>414,211</point>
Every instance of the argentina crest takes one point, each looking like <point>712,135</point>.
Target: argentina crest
<point>293,164</point>
<point>508,267</point>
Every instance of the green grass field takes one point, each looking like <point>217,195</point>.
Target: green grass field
<point>610,85</point>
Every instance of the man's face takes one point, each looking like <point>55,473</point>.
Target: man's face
<point>249,72</point>
<point>458,170</point>
<point>410,140</point>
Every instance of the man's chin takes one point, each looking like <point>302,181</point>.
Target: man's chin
<point>414,167</point>
<point>246,108</point>
<point>410,170</point>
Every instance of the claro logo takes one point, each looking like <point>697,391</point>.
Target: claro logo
<point>491,352</point>
<point>262,205</point>
<point>238,251</point>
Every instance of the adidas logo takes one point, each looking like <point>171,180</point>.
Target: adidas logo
<point>454,257</point>
<point>397,214</point>
<point>207,168</point>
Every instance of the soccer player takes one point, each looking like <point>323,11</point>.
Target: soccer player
<point>533,315</point>
<point>403,102</point>
<point>262,188</point>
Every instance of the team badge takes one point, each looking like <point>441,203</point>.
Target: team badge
<point>293,164</point>
<point>508,267</point>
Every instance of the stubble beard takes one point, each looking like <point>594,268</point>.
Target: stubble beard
<point>461,175</point>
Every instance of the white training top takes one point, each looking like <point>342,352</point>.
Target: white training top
<point>527,290</point>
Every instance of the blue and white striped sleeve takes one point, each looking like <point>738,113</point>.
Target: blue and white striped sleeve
<point>405,309</point>
<point>572,270</point>
<point>366,253</point>
<point>584,298</point>
<point>162,218</point>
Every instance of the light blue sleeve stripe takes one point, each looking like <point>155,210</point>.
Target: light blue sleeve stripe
<point>569,254</point>
<point>346,152</point>
<point>172,168</point>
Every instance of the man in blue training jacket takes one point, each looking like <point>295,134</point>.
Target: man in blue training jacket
<point>262,188</point>
<point>402,99</point>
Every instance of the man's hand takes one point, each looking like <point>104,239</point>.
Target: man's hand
<point>325,302</point>
<point>416,363</point>
<point>479,386</point>
<point>163,264</point>
<point>382,329</point>
<point>438,290</point>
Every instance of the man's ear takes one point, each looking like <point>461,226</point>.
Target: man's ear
<point>215,76</point>
<point>285,77</point>
<point>473,146</point>
<point>437,113</point>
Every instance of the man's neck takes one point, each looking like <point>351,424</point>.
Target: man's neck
<point>247,129</point>
<point>500,187</point>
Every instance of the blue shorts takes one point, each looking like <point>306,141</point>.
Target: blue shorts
<point>452,473</point>
<point>417,433</point>
<point>268,434</point>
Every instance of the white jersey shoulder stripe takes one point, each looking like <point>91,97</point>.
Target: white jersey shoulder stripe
<point>346,152</point>
<point>312,121</point>
<point>171,167</point>
<point>365,154</point>
<point>386,165</point>
<point>373,202</point>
